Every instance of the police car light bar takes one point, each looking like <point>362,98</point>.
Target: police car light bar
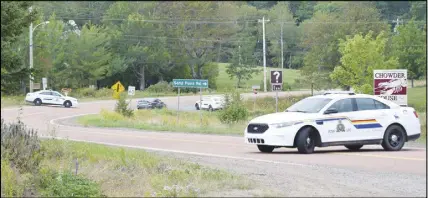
<point>339,92</point>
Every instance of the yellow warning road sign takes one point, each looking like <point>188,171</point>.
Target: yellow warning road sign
<point>117,89</point>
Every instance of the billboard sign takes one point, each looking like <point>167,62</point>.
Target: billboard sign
<point>391,85</point>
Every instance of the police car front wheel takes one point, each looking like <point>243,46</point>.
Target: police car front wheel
<point>306,141</point>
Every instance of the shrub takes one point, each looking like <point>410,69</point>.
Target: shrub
<point>234,113</point>
<point>111,116</point>
<point>85,92</point>
<point>123,108</point>
<point>104,92</point>
<point>91,93</point>
<point>286,86</point>
<point>67,184</point>
<point>234,109</point>
<point>20,146</point>
<point>9,181</point>
<point>160,87</point>
<point>266,105</point>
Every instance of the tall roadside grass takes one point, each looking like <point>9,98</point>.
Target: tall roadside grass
<point>165,120</point>
<point>61,168</point>
<point>130,172</point>
<point>211,123</point>
<point>265,105</point>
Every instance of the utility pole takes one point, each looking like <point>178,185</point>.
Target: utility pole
<point>282,42</point>
<point>396,26</point>
<point>31,52</point>
<point>282,48</point>
<point>264,52</point>
<point>239,55</point>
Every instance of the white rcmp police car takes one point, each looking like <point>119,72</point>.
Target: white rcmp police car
<point>352,120</point>
<point>50,97</point>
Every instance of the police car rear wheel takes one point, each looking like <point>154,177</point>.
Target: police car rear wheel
<point>354,147</point>
<point>265,148</point>
<point>394,138</point>
<point>306,141</point>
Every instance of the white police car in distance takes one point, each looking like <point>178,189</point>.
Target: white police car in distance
<point>352,120</point>
<point>50,97</point>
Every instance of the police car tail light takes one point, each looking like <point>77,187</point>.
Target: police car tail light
<point>416,114</point>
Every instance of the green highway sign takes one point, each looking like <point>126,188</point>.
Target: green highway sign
<point>190,83</point>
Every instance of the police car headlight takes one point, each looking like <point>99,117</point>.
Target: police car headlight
<point>283,124</point>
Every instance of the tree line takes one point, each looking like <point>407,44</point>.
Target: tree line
<point>141,43</point>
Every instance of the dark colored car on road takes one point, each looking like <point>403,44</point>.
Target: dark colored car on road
<point>158,104</point>
<point>150,104</point>
<point>144,104</point>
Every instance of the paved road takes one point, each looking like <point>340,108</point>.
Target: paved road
<point>393,173</point>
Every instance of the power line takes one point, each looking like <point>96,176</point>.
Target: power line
<point>135,37</point>
<point>175,20</point>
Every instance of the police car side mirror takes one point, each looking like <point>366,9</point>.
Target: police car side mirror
<point>331,111</point>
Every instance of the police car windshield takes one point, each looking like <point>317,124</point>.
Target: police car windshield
<point>309,105</point>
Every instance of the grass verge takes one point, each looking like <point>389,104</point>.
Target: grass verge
<point>417,98</point>
<point>168,120</point>
<point>130,172</point>
<point>164,120</point>
<point>224,82</point>
<point>114,172</point>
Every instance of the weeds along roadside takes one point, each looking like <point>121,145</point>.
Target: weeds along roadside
<point>34,167</point>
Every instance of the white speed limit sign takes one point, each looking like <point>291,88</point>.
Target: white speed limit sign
<point>131,90</point>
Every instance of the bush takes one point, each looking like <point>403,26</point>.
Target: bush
<point>104,92</point>
<point>67,185</point>
<point>234,109</point>
<point>123,108</point>
<point>265,105</point>
<point>160,87</point>
<point>20,146</point>
<point>9,181</point>
<point>85,92</point>
<point>91,93</point>
<point>286,86</point>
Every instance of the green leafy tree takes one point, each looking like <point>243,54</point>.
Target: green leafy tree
<point>360,56</point>
<point>15,17</point>
<point>410,48</point>
<point>330,23</point>
<point>239,70</point>
<point>90,56</point>
<point>282,22</point>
